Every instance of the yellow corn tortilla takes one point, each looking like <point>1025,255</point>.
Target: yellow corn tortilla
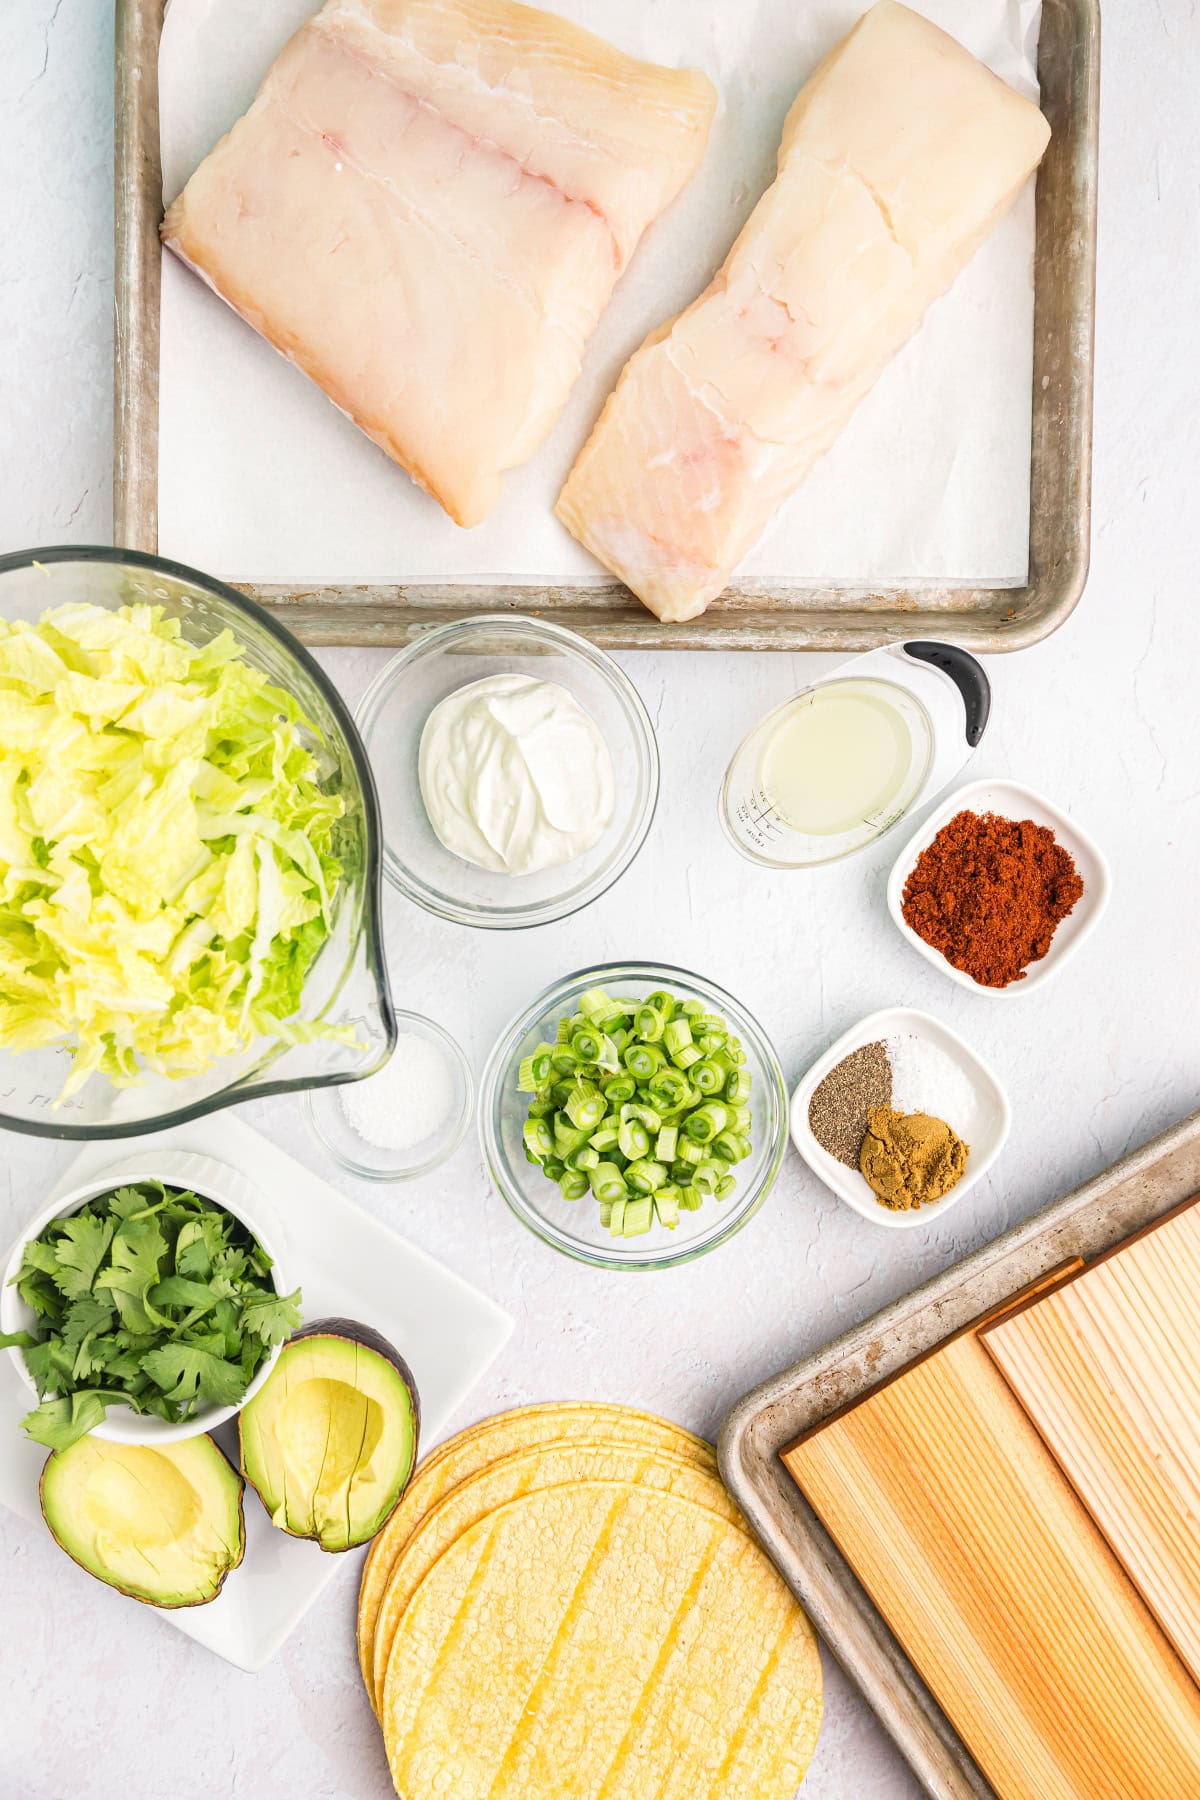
<point>602,1641</point>
<point>548,1465</point>
<point>473,1449</point>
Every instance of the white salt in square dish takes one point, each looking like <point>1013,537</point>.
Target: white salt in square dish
<point>985,1130</point>
<point>348,1266</point>
<point>1011,800</point>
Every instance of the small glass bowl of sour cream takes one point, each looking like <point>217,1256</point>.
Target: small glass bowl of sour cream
<point>392,717</point>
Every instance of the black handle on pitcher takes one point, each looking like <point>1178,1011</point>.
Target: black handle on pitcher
<point>967,676</point>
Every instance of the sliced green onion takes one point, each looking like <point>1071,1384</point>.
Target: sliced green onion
<point>668,1089</point>
<point>644,1176</point>
<point>709,1175</point>
<point>568,1137</point>
<point>662,1002</point>
<point>737,1088</point>
<point>741,1120</point>
<point>689,1152</point>
<point>684,1059</point>
<point>606,1138</point>
<point>692,1009</point>
<point>677,1035</point>
<point>595,1004</point>
<point>666,1206</point>
<point>585,1044</point>
<point>573,1184</point>
<point>538,1141</point>
<point>619,1089</point>
<point>638,1217</point>
<point>707,1077</point>
<point>649,1024</point>
<point>616,1220</point>
<point>712,1043</point>
<point>541,1109</point>
<point>633,1139</point>
<point>725,1188</point>
<point>649,1116</point>
<point>732,1146</point>
<point>607,1181</point>
<point>665,1143</point>
<point>586,1108</point>
<point>706,1122</point>
<point>605,1212</point>
<point>536,1070</point>
<point>690,1199</point>
<point>553,1168</point>
<point>643,1059</point>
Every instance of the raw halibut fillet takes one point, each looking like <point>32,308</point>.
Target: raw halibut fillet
<point>897,158</point>
<point>427,208</point>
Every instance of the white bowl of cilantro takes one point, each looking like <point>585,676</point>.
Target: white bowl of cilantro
<point>146,1306</point>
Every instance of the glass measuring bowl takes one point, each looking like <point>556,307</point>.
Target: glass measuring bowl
<point>347,984</point>
<point>847,758</point>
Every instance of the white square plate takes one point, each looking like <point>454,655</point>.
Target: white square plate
<point>987,1132</point>
<point>349,1266</point>
<point>1010,800</point>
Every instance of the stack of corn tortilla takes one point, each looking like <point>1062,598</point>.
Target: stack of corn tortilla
<point>567,1603</point>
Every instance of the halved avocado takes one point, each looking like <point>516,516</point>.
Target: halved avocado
<point>162,1523</point>
<point>330,1439</point>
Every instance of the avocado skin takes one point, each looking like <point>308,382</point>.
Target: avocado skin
<point>348,1331</point>
<point>144,1599</point>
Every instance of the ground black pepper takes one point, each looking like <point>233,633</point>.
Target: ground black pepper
<point>837,1112</point>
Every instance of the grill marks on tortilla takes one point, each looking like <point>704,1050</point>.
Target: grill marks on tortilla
<point>655,1652</point>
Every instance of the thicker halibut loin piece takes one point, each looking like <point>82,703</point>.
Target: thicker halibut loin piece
<point>898,156</point>
<point>427,208</point>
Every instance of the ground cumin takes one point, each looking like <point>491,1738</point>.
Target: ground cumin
<point>988,893</point>
<point>909,1159</point>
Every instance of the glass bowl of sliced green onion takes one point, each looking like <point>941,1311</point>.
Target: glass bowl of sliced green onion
<point>633,1116</point>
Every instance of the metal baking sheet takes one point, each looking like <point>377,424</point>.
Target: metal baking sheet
<point>1132,1194</point>
<point>749,616</point>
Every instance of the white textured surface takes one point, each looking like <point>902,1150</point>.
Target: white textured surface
<point>100,1700</point>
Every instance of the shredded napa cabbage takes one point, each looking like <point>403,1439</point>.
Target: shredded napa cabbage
<point>166,872</point>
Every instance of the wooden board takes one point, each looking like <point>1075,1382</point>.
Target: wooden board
<point>965,1532</point>
<point>1106,1367</point>
<point>750,615</point>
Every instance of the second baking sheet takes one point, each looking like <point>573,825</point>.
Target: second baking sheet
<point>972,1543</point>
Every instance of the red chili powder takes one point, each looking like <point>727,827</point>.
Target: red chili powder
<point>988,893</point>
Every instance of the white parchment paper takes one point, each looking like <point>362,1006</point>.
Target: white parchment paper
<point>262,479</point>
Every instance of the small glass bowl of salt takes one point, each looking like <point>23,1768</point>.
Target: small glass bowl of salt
<point>408,1118</point>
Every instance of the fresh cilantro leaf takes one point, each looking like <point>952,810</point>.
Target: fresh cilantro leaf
<point>272,1317</point>
<point>199,1240</point>
<point>177,1290</point>
<point>129,1202</point>
<point>137,1250</point>
<point>226,1318</point>
<point>39,1360</point>
<point>80,1244</point>
<point>191,1377</point>
<point>60,1423</point>
<point>39,1255</point>
<point>91,1313</point>
<point>39,1292</point>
